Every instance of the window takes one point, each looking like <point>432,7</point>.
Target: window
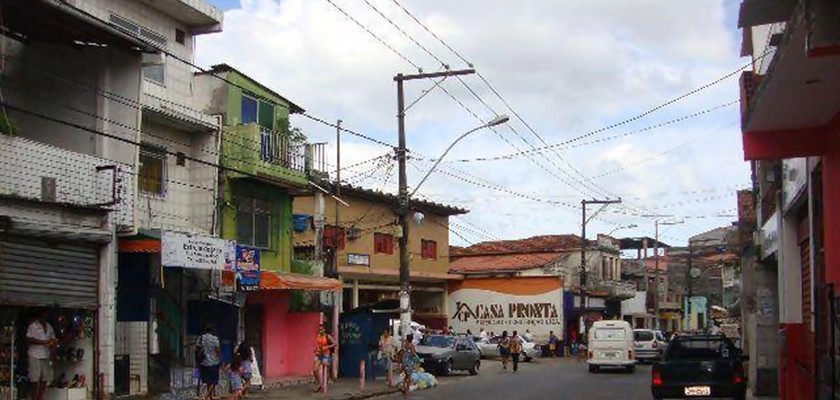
<point>266,115</point>
<point>428,249</point>
<point>609,334</point>
<point>153,68</point>
<point>253,222</point>
<point>334,237</point>
<point>180,36</point>
<point>383,243</point>
<point>152,172</point>
<point>249,110</point>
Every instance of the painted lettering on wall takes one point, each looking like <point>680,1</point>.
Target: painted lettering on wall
<point>513,314</point>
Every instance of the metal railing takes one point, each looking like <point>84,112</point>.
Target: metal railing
<point>277,148</point>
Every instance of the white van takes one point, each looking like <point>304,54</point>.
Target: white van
<point>610,344</point>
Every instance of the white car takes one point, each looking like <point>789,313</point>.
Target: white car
<point>490,348</point>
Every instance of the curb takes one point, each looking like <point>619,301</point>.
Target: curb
<point>362,396</point>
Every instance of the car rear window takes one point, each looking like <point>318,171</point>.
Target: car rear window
<point>642,336</point>
<point>609,334</point>
<point>700,349</point>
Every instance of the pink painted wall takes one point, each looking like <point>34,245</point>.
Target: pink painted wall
<point>288,338</point>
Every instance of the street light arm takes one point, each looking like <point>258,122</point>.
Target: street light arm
<point>496,121</point>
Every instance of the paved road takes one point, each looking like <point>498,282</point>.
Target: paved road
<point>542,379</point>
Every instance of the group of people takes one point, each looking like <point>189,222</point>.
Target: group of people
<point>209,362</point>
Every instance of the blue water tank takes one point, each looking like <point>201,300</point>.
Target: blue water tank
<point>300,222</point>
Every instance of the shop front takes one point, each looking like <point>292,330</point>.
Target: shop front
<point>281,322</point>
<point>57,280</point>
<point>170,287</point>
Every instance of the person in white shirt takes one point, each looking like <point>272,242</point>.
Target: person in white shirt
<point>210,360</point>
<point>41,339</point>
<point>418,337</point>
<point>528,336</point>
<point>482,335</point>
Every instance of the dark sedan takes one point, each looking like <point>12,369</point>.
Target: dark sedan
<point>700,366</point>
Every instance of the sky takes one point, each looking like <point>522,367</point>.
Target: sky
<point>604,94</point>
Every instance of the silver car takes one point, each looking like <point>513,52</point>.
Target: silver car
<point>649,344</point>
<point>442,354</point>
<point>490,348</point>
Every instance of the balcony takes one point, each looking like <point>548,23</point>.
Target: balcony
<point>610,288</point>
<point>46,174</point>
<point>174,114</point>
<point>253,150</point>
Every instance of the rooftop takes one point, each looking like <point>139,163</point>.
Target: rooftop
<point>500,263</point>
<point>535,244</point>
<point>222,68</point>
<point>430,207</point>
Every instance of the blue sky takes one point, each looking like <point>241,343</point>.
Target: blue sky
<point>568,68</point>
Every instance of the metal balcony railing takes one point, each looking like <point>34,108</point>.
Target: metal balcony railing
<point>277,148</point>
<point>40,172</point>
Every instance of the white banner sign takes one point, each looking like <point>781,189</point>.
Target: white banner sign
<point>194,251</point>
<point>495,304</point>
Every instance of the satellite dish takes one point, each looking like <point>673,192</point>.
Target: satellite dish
<point>419,217</point>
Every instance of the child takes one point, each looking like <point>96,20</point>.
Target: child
<point>247,372</point>
<point>236,377</point>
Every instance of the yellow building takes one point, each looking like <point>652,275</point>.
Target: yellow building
<point>365,243</point>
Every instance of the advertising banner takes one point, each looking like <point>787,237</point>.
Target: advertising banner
<point>196,251</point>
<point>248,268</point>
<point>497,304</point>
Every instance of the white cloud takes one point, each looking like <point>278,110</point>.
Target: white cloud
<point>567,67</point>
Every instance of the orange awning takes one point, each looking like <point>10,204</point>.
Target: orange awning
<point>276,280</point>
<point>139,246</point>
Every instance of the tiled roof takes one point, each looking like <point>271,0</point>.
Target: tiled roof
<point>499,263</point>
<point>536,244</point>
<point>394,200</point>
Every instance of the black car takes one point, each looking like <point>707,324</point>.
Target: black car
<point>700,366</point>
<point>442,354</point>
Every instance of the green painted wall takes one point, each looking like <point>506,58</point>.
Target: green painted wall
<point>241,151</point>
<point>234,103</point>
<point>279,256</point>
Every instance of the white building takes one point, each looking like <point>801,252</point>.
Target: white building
<point>84,83</point>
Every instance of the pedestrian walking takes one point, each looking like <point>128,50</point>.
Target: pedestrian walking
<point>581,349</point>
<point>528,336</point>
<point>208,359</point>
<point>482,335</point>
<point>387,352</point>
<point>552,344</point>
<point>40,337</point>
<point>235,372</point>
<point>408,358</point>
<point>245,354</point>
<point>324,342</point>
<point>504,349</point>
<point>515,346</point>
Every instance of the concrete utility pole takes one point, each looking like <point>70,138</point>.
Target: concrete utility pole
<point>656,270</point>
<point>404,206</point>
<point>583,222</point>
<point>334,267</point>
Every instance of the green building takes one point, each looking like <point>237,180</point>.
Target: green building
<point>268,162</point>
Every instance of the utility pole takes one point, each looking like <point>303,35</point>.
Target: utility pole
<point>656,270</point>
<point>689,278</point>
<point>334,267</point>
<point>405,206</point>
<point>583,222</point>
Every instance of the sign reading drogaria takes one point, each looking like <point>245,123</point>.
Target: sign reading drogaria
<point>497,304</point>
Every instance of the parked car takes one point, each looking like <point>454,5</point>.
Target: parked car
<point>490,348</point>
<point>610,344</point>
<point>442,354</point>
<point>700,366</point>
<point>649,344</point>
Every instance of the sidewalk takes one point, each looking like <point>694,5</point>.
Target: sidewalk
<point>343,389</point>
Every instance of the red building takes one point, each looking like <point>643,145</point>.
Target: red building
<point>790,104</point>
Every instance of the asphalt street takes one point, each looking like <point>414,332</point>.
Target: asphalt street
<point>542,379</point>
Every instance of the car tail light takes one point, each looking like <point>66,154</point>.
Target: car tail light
<point>657,378</point>
<point>629,354</point>
<point>738,376</point>
<point>590,353</point>
<point>655,345</point>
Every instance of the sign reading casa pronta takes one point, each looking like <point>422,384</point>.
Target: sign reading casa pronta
<point>512,304</point>
<point>196,251</point>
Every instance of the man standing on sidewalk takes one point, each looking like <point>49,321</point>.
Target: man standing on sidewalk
<point>208,357</point>
<point>515,345</point>
<point>42,343</point>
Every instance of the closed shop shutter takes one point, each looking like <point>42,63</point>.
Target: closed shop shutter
<point>38,273</point>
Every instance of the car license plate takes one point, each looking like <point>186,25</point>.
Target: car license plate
<point>611,354</point>
<point>698,391</point>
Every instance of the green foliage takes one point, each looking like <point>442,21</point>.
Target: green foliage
<point>7,125</point>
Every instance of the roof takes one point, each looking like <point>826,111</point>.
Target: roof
<point>394,201</point>
<point>500,263</point>
<point>534,244</point>
<point>637,243</point>
<point>218,68</point>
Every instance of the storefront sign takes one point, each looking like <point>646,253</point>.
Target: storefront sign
<point>248,268</point>
<point>534,303</point>
<point>769,236</point>
<point>199,252</point>
<point>358,259</point>
<point>795,179</point>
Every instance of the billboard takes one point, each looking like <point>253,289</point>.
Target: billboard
<point>498,304</point>
<point>248,268</point>
<point>196,251</point>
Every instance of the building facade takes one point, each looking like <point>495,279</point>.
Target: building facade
<point>790,129</point>
<point>363,243</point>
<point>560,256</point>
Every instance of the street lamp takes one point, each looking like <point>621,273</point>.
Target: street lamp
<point>631,226</point>
<point>501,119</point>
